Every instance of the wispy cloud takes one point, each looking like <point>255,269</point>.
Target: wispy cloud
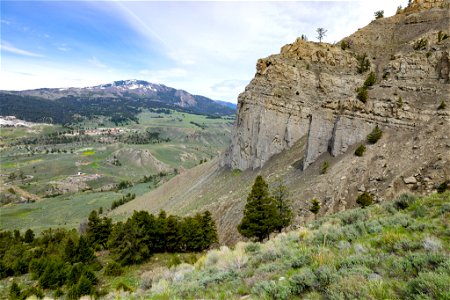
<point>96,63</point>
<point>6,22</point>
<point>7,47</point>
<point>63,47</point>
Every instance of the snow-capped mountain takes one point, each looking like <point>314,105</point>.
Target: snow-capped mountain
<point>126,95</point>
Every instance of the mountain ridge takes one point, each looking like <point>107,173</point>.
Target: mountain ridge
<point>128,97</point>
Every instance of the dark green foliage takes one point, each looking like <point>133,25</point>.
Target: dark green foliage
<point>98,230</point>
<point>70,251</point>
<point>360,150</point>
<point>113,269</point>
<point>84,286</point>
<point>443,105</point>
<point>127,198</point>
<point>260,213</point>
<point>442,36</point>
<point>363,63</point>
<point>370,80</point>
<point>315,206</point>
<point>54,274</point>
<point>129,241</point>
<point>31,291</point>
<point>29,236</point>
<point>124,185</point>
<point>280,194</point>
<point>14,291</point>
<point>375,135</point>
<point>84,253</point>
<point>324,167</point>
<point>420,44</point>
<point>362,94</point>
<point>404,201</point>
<point>142,138</point>
<point>442,187</point>
<point>364,200</point>
<point>379,14</point>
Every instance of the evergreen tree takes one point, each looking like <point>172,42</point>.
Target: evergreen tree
<point>98,230</point>
<point>173,234</point>
<point>84,253</point>
<point>280,194</point>
<point>260,213</point>
<point>192,234</point>
<point>29,236</point>
<point>209,230</point>
<point>159,235</point>
<point>70,251</point>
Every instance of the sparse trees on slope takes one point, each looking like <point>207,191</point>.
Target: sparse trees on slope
<point>260,213</point>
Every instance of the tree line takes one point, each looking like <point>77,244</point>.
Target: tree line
<point>64,261</point>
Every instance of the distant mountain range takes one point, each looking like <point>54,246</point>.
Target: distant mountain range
<point>120,100</point>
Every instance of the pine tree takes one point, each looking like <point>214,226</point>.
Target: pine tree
<point>280,194</point>
<point>29,236</point>
<point>84,253</point>
<point>209,230</point>
<point>98,230</point>
<point>173,234</point>
<point>260,213</point>
<point>70,251</point>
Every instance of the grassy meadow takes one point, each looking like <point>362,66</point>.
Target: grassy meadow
<point>39,168</point>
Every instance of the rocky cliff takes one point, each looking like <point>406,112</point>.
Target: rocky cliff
<point>301,110</point>
<point>309,89</point>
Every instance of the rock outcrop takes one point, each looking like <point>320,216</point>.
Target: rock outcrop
<point>309,89</point>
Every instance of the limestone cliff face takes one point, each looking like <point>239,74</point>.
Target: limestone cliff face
<point>309,89</point>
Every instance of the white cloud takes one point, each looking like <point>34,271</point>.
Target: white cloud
<point>96,63</point>
<point>7,47</point>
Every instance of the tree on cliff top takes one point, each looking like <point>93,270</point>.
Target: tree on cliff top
<point>321,33</point>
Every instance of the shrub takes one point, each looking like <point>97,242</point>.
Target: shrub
<point>375,135</point>
<point>400,102</point>
<point>404,201</point>
<point>345,45</point>
<point>432,244</point>
<point>441,36</point>
<point>433,285</point>
<point>442,187</point>
<point>113,269</point>
<point>272,290</point>
<point>360,150</point>
<point>364,200</point>
<point>420,44</point>
<point>324,168</point>
<point>123,286</point>
<point>300,261</point>
<point>302,282</point>
<point>252,247</point>
<point>370,80</point>
<point>442,106</point>
<point>362,94</point>
<point>363,63</point>
<point>315,206</point>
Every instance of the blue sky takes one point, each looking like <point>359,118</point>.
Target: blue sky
<point>206,48</point>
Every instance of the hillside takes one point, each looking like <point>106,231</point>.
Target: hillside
<point>395,250</point>
<point>120,101</point>
<point>301,113</point>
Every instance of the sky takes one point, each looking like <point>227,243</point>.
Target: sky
<point>207,48</point>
